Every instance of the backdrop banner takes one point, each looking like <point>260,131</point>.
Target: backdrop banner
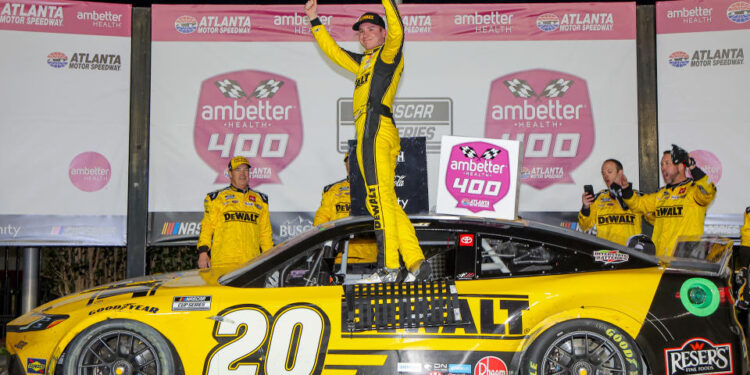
<point>64,109</point>
<point>250,80</point>
<point>702,86</point>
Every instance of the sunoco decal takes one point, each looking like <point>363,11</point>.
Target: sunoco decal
<point>550,113</point>
<point>610,256</point>
<point>699,356</point>
<point>191,303</point>
<point>36,366</point>
<point>478,175</point>
<point>252,114</point>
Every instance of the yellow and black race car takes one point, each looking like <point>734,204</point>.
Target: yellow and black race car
<point>505,297</point>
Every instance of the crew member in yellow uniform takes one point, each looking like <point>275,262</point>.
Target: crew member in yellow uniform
<point>745,231</point>
<point>679,207</point>
<point>607,211</point>
<point>236,226</point>
<point>377,71</point>
<point>336,204</point>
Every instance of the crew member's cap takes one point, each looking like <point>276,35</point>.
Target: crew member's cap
<point>237,161</point>
<point>370,17</point>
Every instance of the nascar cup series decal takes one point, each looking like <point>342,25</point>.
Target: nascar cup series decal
<point>252,114</point>
<point>478,175</point>
<point>550,113</point>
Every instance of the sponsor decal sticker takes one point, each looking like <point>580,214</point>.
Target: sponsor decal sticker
<point>679,59</point>
<point>126,307</point>
<point>466,240</point>
<point>252,114</point>
<point>19,345</point>
<point>699,356</point>
<point>478,175</point>
<point>550,113</point>
<point>739,12</point>
<point>36,366</point>
<point>490,366</point>
<point>191,303</point>
<point>610,256</point>
<point>409,367</point>
<point>185,24</point>
<point>459,368</point>
<point>89,171</point>
<point>172,228</point>
<point>57,60</point>
<point>547,22</point>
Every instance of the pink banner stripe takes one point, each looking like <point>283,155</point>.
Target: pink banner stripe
<point>686,16</point>
<point>448,22</point>
<point>66,17</point>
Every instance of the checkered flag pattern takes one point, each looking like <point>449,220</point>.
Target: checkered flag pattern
<point>267,89</point>
<point>490,153</point>
<point>469,152</point>
<point>556,88</point>
<point>230,88</point>
<point>520,88</point>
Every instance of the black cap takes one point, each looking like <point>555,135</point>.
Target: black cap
<point>369,17</point>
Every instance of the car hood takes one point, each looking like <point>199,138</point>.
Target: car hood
<point>143,285</point>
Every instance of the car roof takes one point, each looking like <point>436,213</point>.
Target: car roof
<point>342,224</point>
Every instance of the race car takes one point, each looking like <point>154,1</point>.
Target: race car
<point>505,297</point>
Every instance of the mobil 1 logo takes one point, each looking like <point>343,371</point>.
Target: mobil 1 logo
<point>431,118</point>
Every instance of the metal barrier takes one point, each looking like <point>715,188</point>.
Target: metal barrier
<point>11,275</point>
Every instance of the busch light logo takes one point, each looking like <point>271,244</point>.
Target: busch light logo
<point>490,366</point>
<point>57,60</point>
<point>293,227</point>
<point>478,175</point>
<point>90,171</point>
<point>739,12</point>
<point>679,59</point>
<point>185,24</point>
<point>252,114</point>
<point>708,163</point>
<point>550,113</point>
<point>699,356</point>
<point>547,22</point>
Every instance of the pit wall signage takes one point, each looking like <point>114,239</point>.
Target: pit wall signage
<point>479,177</point>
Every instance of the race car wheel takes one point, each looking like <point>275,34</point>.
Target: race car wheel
<point>583,347</point>
<point>119,347</point>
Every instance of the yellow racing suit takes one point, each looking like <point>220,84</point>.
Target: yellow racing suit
<point>745,231</point>
<point>611,221</point>
<point>335,204</point>
<point>377,75</point>
<point>679,210</point>
<point>236,226</point>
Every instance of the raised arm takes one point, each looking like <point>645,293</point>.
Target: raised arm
<point>343,58</point>
<point>394,41</point>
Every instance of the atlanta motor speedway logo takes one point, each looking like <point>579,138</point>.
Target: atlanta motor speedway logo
<point>704,58</point>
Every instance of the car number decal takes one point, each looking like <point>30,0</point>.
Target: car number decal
<point>252,341</point>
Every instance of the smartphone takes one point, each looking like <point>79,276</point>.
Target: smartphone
<point>588,189</point>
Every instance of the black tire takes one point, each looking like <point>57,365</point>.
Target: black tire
<point>562,349</point>
<point>140,349</point>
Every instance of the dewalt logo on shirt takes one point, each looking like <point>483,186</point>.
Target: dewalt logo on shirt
<point>670,211</point>
<point>244,217</point>
<point>616,219</point>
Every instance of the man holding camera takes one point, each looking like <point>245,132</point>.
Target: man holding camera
<point>680,206</point>
<point>607,211</point>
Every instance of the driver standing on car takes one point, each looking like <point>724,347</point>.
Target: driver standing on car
<point>236,226</point>
<point>378,71</point>
<point>679,207</point>
<point>607,211</point>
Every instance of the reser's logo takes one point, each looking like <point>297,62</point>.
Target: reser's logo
<point>699,356</point>
<point>252,114</point>
<point>555,124</point>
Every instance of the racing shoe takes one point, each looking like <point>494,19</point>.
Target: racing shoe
<point>420,272</point>
<point>382,275</point>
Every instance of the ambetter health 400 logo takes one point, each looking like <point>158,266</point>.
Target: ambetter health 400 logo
<point>549,112</point>
<point>478,175</point>
<point>252,114</point>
